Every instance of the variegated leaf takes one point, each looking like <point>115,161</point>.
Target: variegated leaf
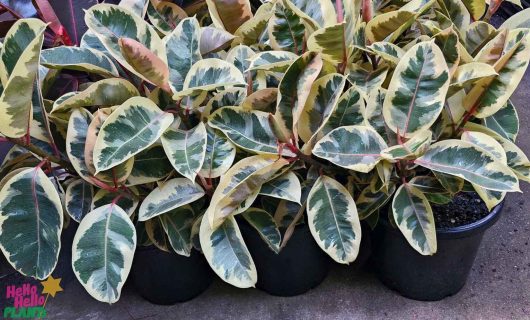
<point>320,104</point>
<point>227,253</point>
<point>145,63</point>
<point>477,35</point>
<point>76,136</point>
<point>31,220</point>
<point>165,15</point>
<point>369,202</point>
<point>240,182</point>
<point>333,220</point>
<point>20,58</point>
<point>220,154</point>
<point>177,224</point>
<point>150,165</point>
<point>156,234</point>
<point>388,51</point>
<point>519,20</point>
<point>331,42</point>
<point>138,7</point>
<point>274,61</point>
<point>367,81</point>
<point>294,89</point>
<point>170,195</point>
<point>486,143</point>
<point>229,14</point>
<point>128,203</point>
<point>448,42</point>
<point>470,73</point>
<point>286,28</point>
<point>78,199</point>
<point>214,40</point>
<point>133,127</point>
<point>227,97</point>
<point>110,23</point>
<point>239,56</point>
<point>465,160</point>
<point>102,252</point>
<point>321,11</point>
<point>475,7</point>
<point>505,122</point>
<point>81,59</point>
<point>411,149</point>
<point>186,150</point>
<point>417,90</point>
<point>250,130</point>
<point>456,12</point>
<point>356,148</point>
<point>286,186</point>
<point>414,218</point>
<point>386,26</point>
<point>265,225</point>
<point>108,92</point>
<point>182,47</point>
<point>261,100</point>
<point>210,74</point>
<point>251,31</point>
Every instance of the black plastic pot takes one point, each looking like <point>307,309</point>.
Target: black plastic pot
<point>167,278</point>
<point>300,266</point>
<point>429,278</point>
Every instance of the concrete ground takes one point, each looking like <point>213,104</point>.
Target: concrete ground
<point>498,286</point>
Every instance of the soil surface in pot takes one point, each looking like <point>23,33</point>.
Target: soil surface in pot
<point>465,208</point>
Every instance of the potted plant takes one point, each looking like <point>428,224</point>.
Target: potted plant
<point>126,154</point>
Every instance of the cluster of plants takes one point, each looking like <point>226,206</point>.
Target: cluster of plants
<point>187,122</point>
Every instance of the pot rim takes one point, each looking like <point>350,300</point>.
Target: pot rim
<point>462,231</point>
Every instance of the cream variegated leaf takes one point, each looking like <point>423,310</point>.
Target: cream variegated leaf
<point>331,42</point>
<point>182,47</point>
<point>417,90</point>
<point>386,26</point>
<point>519,20</point>
<point>356,148</point>
<point>476,8</point>
<point>128,202</point>
<point>470,73</point>
<point>31,220</point>
<point>138,7</point>
<point>411,149</point>
<point>368,81</point>
<point>227,253</point>
<point>168,196</point>
<point>165,15</point>
<point>465,160</point>
<point>505,122</point>
<point>186,150</point>
<point>251,31</point>
<point>224,98</point>
<point>214,40</point>
<point>286,28</point>
<point>414,218</point>
<point>220,154</point>
<point>274,61</point>
<point>286,186</point>
<point>102,252</point>
<point>150,165</point>
<point>477,35</point>
<point>389,52</point>
<point>76,136</point>
<point>80,59</point>
<point>333,220</point>
<point>266,227</point>
<point>210,74</point>
<point>133,127</point>
<point>448,41</point>
<point>456,12</point>
<point>368,202</point>
<point>229,14</point>
<point>240,182</point>
<point>20,57</point>
<point>261,100</point>
<point>250,130</point>
<point>177,225</point>
<point>78,199</point>
<point>486,143</point>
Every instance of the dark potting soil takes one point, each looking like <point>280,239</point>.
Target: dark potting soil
<point>465,208</point>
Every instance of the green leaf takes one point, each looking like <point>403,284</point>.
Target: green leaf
<point>333,220</point>
<point>294,90</point>
<point>186,150</point>
<point>286,28</point>
<point>177,224</point>
<point>249,130</point>
<point>102,252</point>
<point>417,90</point>
<point>227,253</point>
<point>182,46</point>
<point>133,127</point>
<point>170,195</point>
<point>465,160</point>
<point>265,225</point>
<point>20,57</point>
<point>210,74</point>
<point>229,14</point>
<point>414,218</point>
<point>80,59</point>
<point>31,219</point>
<point>356,148</point>
<point>156,234</point>
<point>505,122</point>
<point>220,154</point>
<point>452,184</point>
<point>239,183</point>
<point>286,186</point>
<point>150,165</point>
<point>78,199</point>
